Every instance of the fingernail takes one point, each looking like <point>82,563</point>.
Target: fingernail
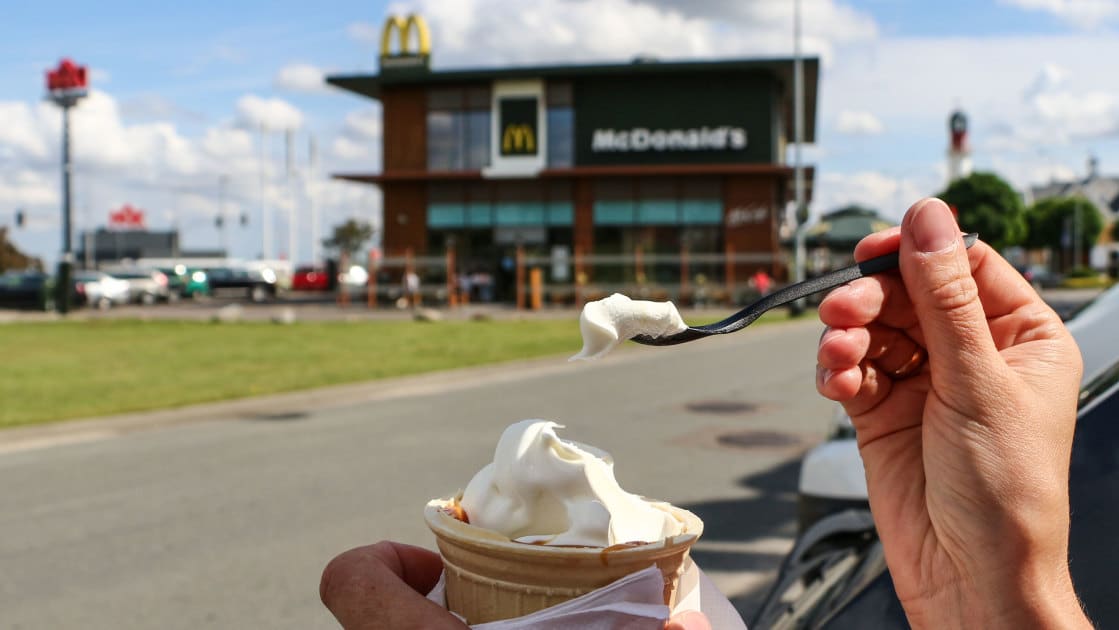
<point>933,226</point>
<point>824,373</point>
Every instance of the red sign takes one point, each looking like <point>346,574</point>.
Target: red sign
<point>67,76</point>
<point>127,217</point>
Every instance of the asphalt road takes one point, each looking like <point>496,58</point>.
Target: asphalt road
<point>228,522</point>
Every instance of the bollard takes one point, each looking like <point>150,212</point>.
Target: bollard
<point>520,278</point>
<point>536,283</point>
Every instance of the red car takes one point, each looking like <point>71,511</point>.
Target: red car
<point>310,279</point>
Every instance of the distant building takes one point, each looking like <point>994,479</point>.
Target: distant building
<point>959,152</point>
<point>601,160</point>
<point>113,246</point>
<point>1101,190</point>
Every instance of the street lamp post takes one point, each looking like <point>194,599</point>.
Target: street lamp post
<point>801,214</point>
<point>66,85</point>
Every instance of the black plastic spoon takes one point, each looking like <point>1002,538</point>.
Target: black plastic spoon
<point>783,296</point>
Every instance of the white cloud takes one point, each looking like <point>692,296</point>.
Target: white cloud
<point>1062,112</point>
<point>364,32</point>
<point>148,149</point>
<point>347,149</point>
<point>272,113</point>
<point>22,135</point>
<point>364,123</point>
<point>1085,114</point>
<point>24,188</point>
<point>859,123</point>
<point>300,77</point>
<point>1050,77</point>
<point>890,195</point>
<point>470,32</point>
<point>1087,14</point>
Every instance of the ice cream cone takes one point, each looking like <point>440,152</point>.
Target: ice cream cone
<point>489,577</point>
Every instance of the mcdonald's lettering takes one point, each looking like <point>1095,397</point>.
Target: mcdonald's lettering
<point>518,140</point>
<point>403,28</point>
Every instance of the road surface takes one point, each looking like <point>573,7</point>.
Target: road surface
<point>228,522</point>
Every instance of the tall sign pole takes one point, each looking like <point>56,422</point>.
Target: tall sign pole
<point>66,85</point>
<point>312,183</point>
<point>798,139</point>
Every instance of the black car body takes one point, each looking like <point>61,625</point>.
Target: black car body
<point>32,290</point>
<point>255,285</point>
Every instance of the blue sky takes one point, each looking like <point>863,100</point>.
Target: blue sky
<point>181,89</point>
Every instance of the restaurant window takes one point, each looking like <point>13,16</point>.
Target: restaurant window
<point>458,129</point>
<point>560,125</point>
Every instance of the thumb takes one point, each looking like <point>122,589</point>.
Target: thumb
<point>688,620</point>
<point>937,274</point>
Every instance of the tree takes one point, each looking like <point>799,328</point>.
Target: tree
<point>988,205</point>
<point>1053,223</point>
<point>349,237</point>
<point>12,258</point>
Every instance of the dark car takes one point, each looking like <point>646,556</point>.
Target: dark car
<point>257,286</point>
<point>33,290</point>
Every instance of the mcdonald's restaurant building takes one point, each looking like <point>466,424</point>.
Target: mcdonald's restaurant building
<point>591,162</point>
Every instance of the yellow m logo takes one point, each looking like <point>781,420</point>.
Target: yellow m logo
<point>403,28</point>
<point>518,139</point>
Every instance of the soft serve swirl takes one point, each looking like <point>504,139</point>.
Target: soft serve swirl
<point>543,489</point>
<point>607,322</point>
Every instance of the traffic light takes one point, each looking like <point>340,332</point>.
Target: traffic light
<point>20,219</point>
<point>219,221</point>
<point>244,220</point>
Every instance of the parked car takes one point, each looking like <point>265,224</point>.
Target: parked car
<point>1040,276</point>
<point>310,279</point>
<point>101,289</point>
<point>257,286</point>
<point>33,290</point>
<point>145,286</point>
<point>186,282</point>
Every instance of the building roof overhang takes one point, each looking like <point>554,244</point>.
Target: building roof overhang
<point>782,68</point>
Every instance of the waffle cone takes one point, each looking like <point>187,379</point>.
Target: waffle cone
<point>489,577</point>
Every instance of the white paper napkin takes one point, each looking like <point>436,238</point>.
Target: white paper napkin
<point>634,602</point>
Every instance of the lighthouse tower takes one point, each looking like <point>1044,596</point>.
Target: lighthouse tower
<point>959,153</point>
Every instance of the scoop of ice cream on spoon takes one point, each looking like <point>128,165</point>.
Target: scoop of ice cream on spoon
<point>608,322</point>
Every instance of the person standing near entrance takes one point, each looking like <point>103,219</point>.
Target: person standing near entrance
<point>762,282</point>
<point>412,288</point>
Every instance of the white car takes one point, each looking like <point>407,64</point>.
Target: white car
<point>101,289</point>
<point>146,286</point>
<point>832,476</point>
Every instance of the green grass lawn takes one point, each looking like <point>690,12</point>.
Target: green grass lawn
<point>57,370</point>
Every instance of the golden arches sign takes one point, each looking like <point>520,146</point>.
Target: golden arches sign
<point>518,139</point>
<point>403,28</point>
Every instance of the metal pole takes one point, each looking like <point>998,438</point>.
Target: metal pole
<point>1076,234</point>
<point>798,139</point>
<point>289,149</point>
<point>223,183</point>
<point>316,254</point>
<point>62,289</point>
<point>265,216</point>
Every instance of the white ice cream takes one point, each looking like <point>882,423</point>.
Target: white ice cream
<point>544,489</point>
<point>608,322</point>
